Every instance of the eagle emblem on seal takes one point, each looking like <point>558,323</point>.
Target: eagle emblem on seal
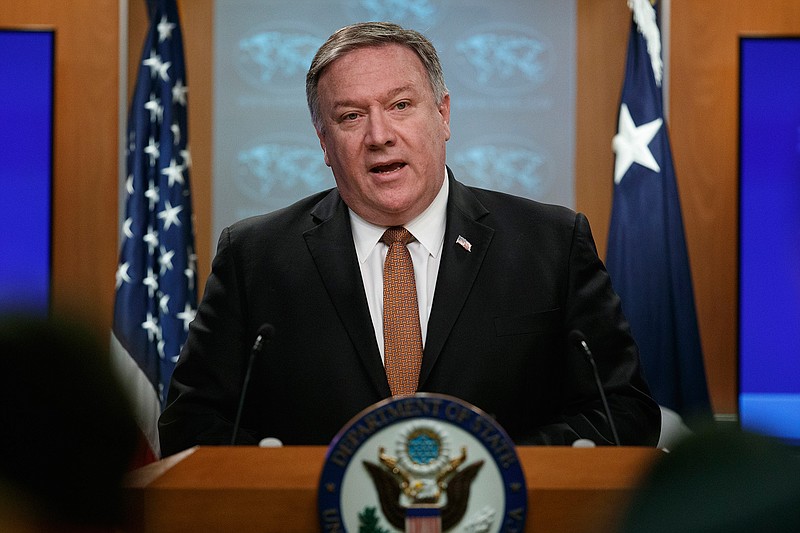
<point>423,473</point>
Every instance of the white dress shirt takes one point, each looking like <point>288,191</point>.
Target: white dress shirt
<point>426,253</point>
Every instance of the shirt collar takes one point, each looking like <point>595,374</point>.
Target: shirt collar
<point>428,228</point>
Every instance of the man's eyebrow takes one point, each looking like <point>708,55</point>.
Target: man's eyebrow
<point>400,90</point>
<point>389,95</point>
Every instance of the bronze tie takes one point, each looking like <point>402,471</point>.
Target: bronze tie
<point>402,337</point>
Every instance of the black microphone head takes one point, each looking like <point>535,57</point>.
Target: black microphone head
<point>266,331</point>
<point>576,337</point>
<point>264,334</point>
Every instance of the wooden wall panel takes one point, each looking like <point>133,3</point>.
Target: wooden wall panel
<point>197,21</point>
<point>704,121</point>
<point>86,125</point>
<point>85,145</point>
<point>602,45</point>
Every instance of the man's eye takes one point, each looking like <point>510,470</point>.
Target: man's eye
<point>350,116</point>
<point>401,105</point>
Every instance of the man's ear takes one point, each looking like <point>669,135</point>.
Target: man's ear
<point>444,110</point>
<point>321,137</point>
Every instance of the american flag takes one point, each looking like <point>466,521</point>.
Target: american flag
<point>647,255</point>
<point>156,291</point>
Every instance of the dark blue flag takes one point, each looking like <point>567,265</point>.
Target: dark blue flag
<point>647,256</point>
<point>156,294</point>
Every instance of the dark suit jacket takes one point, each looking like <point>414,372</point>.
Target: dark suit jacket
<point>497,333</point>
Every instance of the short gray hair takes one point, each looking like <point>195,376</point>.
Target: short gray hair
<point>365,34</point>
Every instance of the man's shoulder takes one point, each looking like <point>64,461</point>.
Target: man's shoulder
<point>296,215</point>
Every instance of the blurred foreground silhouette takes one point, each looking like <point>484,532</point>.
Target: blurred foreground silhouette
<point>68,432</point>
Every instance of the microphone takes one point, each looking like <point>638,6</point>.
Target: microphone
<point>577,338</point>
<point>263,336</point>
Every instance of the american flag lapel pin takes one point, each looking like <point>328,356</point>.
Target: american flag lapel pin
<point>464,243</point>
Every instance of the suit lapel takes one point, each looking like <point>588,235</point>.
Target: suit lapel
<point>330,243</point>
<point>457,270</point>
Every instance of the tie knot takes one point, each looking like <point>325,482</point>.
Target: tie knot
<point>397,234</point>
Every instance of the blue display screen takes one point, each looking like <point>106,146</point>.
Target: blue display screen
<point>769,237</point>
<point>26,120</point>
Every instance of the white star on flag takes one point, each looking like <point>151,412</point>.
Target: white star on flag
<point>631,144</point>
<point>163,303</point>
<point>152,195</point>
<point>152,150</point>
<point>187,315</point>
<point>153,62</point>
<point>151,282</point>
<point>170,215</point>
<point>176,134</point>
<point>165,259</point>
<point>151,326</point>
<point>187,158</point>
<point>162,70</point>
<point>174,172</point>
<point>165,28</point>
<point>154,107</point>
<point>122,274</point>
<point>151,238</point>
<point>126,227</point>
<point>179,92</point>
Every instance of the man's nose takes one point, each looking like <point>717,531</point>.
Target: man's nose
<point>380,131</point>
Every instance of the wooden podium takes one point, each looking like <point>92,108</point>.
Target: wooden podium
<point>243,489</point>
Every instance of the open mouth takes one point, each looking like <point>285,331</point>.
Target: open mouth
<point>385,169</point>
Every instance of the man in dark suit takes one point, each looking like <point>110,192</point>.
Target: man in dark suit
<point>501,282</point>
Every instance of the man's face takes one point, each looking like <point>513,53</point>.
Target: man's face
<point>383,134</point>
